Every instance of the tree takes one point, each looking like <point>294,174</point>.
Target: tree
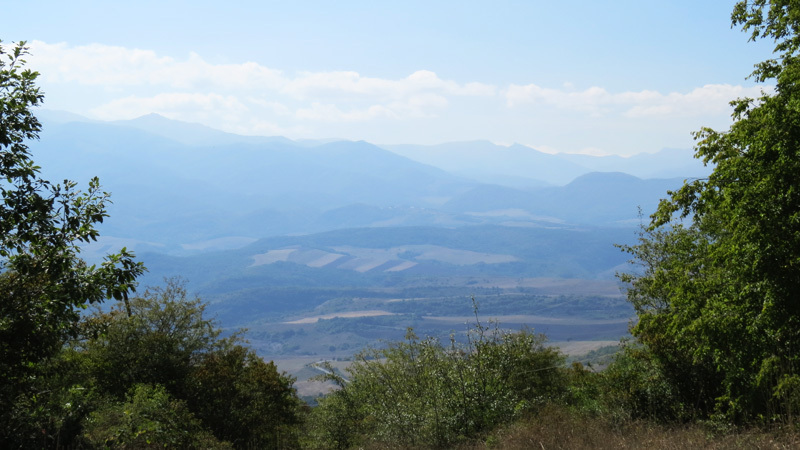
<point>149,418</point>
<point>244,400</point>
<point>167,342</point>
<point>43,281</point>
<point>160,342</point>
<point>718,293</point>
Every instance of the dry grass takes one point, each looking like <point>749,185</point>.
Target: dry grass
<point>558,428</point>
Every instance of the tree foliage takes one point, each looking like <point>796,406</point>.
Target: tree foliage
<point>717,298</point>
<point>149,418</point>
<point>148,372</point>
<point>161,341</point>
<point>244,400</point>
<point>163,376</point>
<point>43,281</point>
<point>167,344</point>
<point>421,393</point>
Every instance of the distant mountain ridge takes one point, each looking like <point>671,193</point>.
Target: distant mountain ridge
<point>192,133</point>
<point>271,230</point>
<point>524,166</point>
<point>182,188</point>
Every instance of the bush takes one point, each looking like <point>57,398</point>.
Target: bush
<point>635,386</point>
<point>159,353</point>
<point>149,418</point>
<point>421,393</point>
<point>244,400</point>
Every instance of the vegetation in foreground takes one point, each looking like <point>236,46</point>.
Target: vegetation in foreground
<point>562,428</point>
<point>153,373</point>
<point>444,393</point>
<point>714,362</point>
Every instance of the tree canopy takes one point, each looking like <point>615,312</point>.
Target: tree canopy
<point>167,352</point>
<point>717,299</point>
<point>43,281</point>
<point>151,370</point>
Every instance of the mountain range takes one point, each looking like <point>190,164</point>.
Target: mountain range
<point>276,233</point>
<point>182,188</point>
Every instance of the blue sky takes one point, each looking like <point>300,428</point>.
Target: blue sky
<point>604,77</point>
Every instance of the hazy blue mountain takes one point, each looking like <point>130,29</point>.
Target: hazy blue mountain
<point>600,198</point>
<point>193,133</point>
<point>484,161</point>
<point>363,215</point>
<point>605,198</point>
<point>173,195</point>
<point>334,174</point>
<point>270,230</point>
<point>50,117</point>
<point>667,163</point>
<point>518,166</point>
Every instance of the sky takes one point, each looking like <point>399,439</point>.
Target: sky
<point>585,76</point>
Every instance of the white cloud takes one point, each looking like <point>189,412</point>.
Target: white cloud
<point>276,108</point>
<point>596,101</point>
<point>184,106</point>
<point>413,107</point>
<point>709,99</point>
<point>331,113</point>
<point>339,84</point>
<point>111,82</point>
<point>141,82</point>
<point>117,67</point>
<point>592,100</point>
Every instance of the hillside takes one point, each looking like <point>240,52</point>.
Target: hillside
<point>519,166</point>
<point>182,188</point>
<point>305,236</point>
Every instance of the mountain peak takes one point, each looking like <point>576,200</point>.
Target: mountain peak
<point>189,133</point>
<point>594,178</point>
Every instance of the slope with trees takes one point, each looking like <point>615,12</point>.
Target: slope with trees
<point>43,281</point>
<point>717,299</point>
<point>150,372</point>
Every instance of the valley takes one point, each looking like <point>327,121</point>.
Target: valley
<point>319,249</point>
<point>411,225</point>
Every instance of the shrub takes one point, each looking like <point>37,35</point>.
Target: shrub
<point>149,418</point>
<point>419,392</point>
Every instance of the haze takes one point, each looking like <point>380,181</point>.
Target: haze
<point>589,77</point>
